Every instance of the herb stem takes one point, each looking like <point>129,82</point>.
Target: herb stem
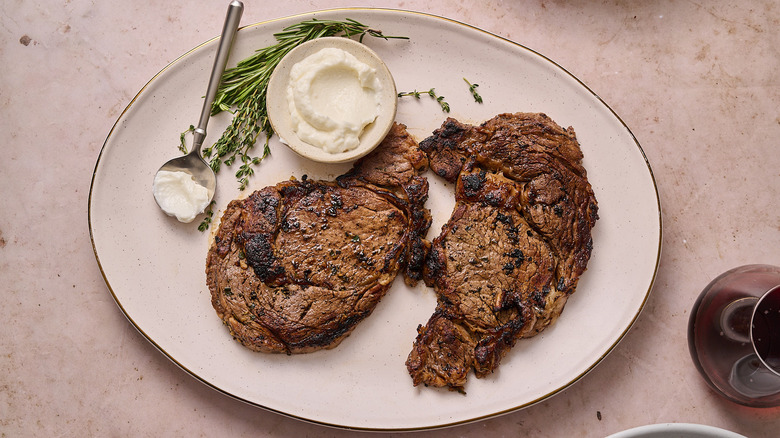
<point>473,90</point>
<point>432,93</point>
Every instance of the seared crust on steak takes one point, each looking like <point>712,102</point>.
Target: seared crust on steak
<point>514,248</point>
<point>396,165</point>
<point>296,266</point>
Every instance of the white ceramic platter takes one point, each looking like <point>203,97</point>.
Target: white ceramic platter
<point>154,266</point>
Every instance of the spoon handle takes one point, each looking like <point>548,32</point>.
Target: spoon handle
<point>235,9</point>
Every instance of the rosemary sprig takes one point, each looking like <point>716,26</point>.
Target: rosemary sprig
<point>432,92</point>
<point>473,90</point>
<point>244,88</point>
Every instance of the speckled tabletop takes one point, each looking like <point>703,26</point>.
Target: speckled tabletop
<point>697,83</point>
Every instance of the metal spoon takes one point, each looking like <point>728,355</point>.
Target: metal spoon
<point>193,163</point>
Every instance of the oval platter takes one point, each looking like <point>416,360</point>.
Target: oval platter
<point>154,267</point>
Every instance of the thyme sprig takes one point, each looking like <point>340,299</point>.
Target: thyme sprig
<point>432,92</point>
<point>473,90</point>
<point>206,222</point>
<point>183,143</point>
<point>243,92</point>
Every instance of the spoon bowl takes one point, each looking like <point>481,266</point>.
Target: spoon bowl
<point>193,162</point>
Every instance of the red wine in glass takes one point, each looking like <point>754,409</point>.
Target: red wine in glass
<point>765,329</point>
<point>734,335</point>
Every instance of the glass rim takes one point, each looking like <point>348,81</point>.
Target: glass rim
<point>774,289</point>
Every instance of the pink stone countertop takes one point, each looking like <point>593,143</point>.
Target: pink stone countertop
<point>696,82</point>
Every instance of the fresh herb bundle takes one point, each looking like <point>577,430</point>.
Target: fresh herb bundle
<point>244,88</point>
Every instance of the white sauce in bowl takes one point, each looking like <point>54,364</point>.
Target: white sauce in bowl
<point>179,195</point>
<point>332,97</point>
<point>342,102</point>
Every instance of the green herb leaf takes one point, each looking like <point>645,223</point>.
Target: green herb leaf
<point>432,93</point>
<point>473,90</point>
<point>182,143</point>
<point>206,222</point>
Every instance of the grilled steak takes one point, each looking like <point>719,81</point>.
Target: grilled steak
<point>514,247</point>
<point>296,266</point>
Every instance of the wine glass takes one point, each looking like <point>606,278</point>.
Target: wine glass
<point>734,335</point>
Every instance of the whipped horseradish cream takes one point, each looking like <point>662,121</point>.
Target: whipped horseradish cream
<point>332,97</point>
<point>179,195</point>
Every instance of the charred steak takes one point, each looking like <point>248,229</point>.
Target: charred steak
<point>514,247</point>
<point>296,266</point>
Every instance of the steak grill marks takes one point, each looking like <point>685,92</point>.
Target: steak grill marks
<point>514,247</point>
<point>296,266</point>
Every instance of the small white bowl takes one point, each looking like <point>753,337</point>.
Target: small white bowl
<point>676,430</point>
<point>279,112</point>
